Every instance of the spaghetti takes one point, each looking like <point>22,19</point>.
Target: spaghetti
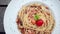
<point>35,19</point>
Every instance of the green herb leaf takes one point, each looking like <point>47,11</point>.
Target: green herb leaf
<point>36,17</point>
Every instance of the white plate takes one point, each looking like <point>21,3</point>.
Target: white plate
<point>11,12</point>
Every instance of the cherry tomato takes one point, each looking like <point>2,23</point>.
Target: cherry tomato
<point>33,21</point>
<point>39,22</point>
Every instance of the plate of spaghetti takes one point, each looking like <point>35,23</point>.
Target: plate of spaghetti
<point>32,17</point>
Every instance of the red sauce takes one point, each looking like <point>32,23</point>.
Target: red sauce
<point>18,21</point>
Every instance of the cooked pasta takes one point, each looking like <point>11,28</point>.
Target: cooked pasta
<point>35,19</point>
